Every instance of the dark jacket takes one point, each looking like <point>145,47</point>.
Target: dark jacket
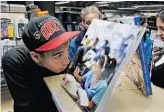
<point>25,82</point>
<point>158,76</point>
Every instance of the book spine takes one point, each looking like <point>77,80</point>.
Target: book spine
<point>148,49</point>
<point>146,73</point>
<point>145,66</point>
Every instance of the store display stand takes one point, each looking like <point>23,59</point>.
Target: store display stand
<point>127,98</point>
<point>13,38</point>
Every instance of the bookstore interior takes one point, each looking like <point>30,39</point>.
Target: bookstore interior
<point>82,56</point>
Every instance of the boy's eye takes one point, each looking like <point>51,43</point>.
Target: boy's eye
<point>162,28</point>
<point>88,22</point>
<point>57,56</point>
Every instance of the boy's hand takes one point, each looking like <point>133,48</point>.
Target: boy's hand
<point>65,81</point>
<point>77,76</point>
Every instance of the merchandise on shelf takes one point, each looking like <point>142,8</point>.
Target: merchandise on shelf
<point>4,28</point>
<point>17,8</point>
<point>10,30</point>
<point>7,30</point>
<point>4,7</point>
<point>19,26</point>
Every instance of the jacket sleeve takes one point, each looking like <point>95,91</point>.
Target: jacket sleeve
<point>25,99</point>
<point>74,45</point>
<point>72,48</point>
<point>80,27</point>
<point>158,76</point>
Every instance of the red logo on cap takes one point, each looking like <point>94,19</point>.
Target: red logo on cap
<point>49,28</point>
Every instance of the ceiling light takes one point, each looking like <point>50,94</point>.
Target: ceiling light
<point>127,8</point>
<point>101,2</point>
<point>103,5</point>
<point>142,6</point>
<point>59,3</point>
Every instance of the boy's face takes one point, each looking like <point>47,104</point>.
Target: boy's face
<point>160,26</point>
<point>56,60</point>
<point>88,19</point>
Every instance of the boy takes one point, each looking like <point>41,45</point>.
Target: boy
<point>45,54</point>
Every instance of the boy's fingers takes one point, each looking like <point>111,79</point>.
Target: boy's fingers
<point>76,71</point>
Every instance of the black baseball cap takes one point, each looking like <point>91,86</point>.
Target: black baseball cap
<point>45,33</point>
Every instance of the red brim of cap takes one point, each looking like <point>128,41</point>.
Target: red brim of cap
<point>58,41</point>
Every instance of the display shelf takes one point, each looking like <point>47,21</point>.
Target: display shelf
<point>14,12</point>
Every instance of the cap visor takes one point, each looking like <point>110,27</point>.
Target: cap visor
<point>58,41</point>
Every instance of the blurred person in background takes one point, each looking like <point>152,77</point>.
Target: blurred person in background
<point>158,72</point>
<point>87,14</point>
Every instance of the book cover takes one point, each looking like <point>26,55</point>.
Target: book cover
<point>139,67</point>
<point>107,47</point>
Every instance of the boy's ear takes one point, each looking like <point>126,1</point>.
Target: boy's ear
<point>35,56</point>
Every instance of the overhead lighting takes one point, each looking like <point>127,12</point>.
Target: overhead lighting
<point>105,10</point>
<point>59,3</point>
<point>72,12</point>
<point>71,7</point>
<point>128,8</point>
<point>101,2</point>
<point>115,1</point>
<point>108,2</point>
<point>153,6</point>
<point>103,5</point>
<point>149,10</point>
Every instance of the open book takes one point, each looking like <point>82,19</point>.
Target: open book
<point>107,48</point>
<point>139,67</point>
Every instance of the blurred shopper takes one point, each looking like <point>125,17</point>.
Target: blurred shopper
<point>158,72</point>
<point>87,15</point>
